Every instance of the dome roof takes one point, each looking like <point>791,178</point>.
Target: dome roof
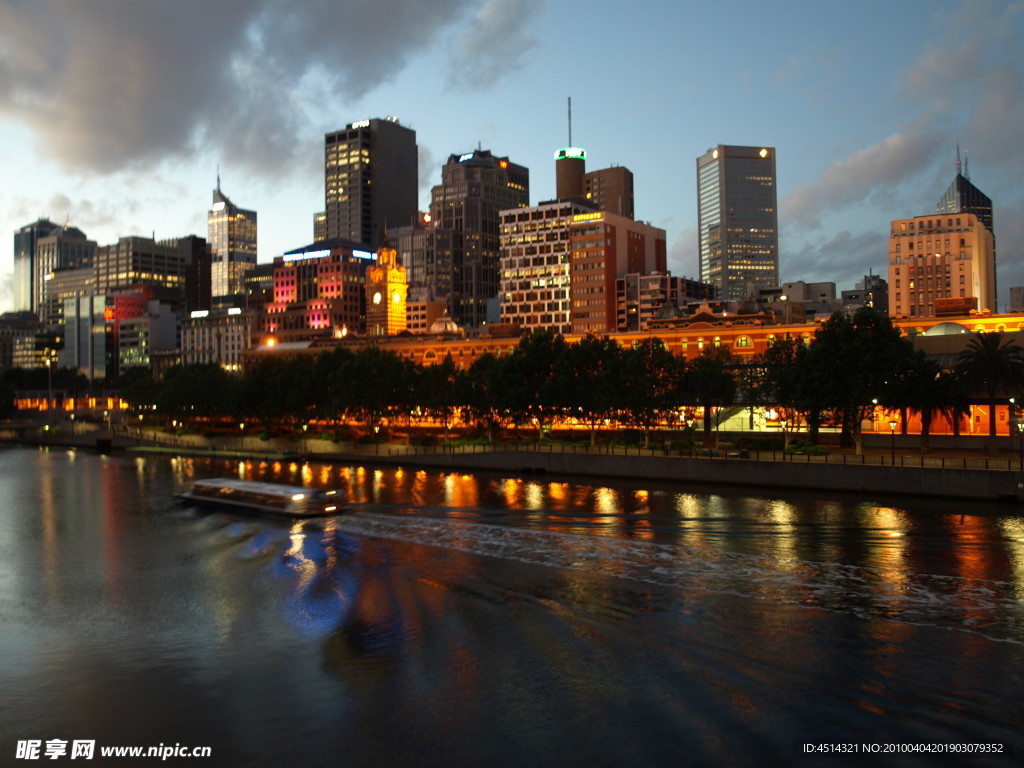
<point>946,329</point>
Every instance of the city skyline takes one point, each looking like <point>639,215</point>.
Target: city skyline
<point>860,140</point>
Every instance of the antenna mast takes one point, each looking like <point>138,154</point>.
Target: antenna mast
<point>570,121</point>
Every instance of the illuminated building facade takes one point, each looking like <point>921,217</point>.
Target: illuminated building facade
<point>386,294</point>
<point>603,247</point>
<point>319,291</point>
<point>231,232</point>
<point>219,336</point>
<point>141,261</point>
<point>941,265</point>
<point>737,219</point>
<point>371,180</point>
<point>475,188</point>
<point>536,248</point>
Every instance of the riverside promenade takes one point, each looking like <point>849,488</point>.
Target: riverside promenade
<point>882,469</point>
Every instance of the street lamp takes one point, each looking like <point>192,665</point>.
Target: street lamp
<point>49,388</point>
<point>689,431</point>
<point>892,432</point>
<point>785,437</point>
<point>1020,430</point>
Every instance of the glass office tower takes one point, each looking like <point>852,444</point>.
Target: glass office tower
<point>737,220</point>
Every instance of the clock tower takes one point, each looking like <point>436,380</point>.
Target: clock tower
<point>386,289</point>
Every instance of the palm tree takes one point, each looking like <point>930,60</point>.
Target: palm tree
<point>993,369</point>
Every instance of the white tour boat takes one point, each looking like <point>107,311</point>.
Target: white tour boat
<point>270,498</point>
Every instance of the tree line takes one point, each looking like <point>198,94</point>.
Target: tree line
<point>852,365</point>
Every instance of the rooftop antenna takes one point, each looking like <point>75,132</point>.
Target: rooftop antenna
<point>967,172</point>
<point>218,171</point>
<point>570,121</point>
<point>958,157</point>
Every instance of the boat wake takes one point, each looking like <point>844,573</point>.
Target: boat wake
<point>993,609</point>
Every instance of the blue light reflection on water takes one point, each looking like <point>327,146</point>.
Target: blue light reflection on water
<point>495,620</point>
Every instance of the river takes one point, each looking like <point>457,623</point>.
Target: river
<point>498,620</point>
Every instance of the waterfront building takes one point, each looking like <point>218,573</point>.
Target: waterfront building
<point>536,249</point>
<point>603,247</point>
<point>370,180</point>
<point>737,219</point>
<point>941,265</point>
<point>386,294</point>
<point>232,235</point>
<point>475,188</point>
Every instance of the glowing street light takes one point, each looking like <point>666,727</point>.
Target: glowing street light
<point>892,432</point>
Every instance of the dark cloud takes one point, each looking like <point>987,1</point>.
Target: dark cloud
<point>876,169</point>
<point>495,42</point>
<point>111,84</point>
<point>843,260</point>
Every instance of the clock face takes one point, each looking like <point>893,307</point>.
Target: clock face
<point>397,297</point>
<point>376,297</point>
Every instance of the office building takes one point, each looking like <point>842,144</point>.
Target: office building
<point>640,297</point>
<point>428,255</point>
<point>610,189</point>
<point>134,262</point>
<point>217,336</point>
<point>605,246</point>
<point>475,188</point>
<point>41,249</point>
<point>232,233</point>
<point>941,265</point>
<point>536,248</point>
<point>607,189</point>
<point>370,180</point>
<point>25,239</point>
<point>737,220</point>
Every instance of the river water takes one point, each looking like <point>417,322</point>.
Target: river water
<point>488,620</point>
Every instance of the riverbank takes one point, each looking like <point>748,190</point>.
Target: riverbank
<point>959,474</point>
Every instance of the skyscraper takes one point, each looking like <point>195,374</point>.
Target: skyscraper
<point>24,263</point>
<point>963,197</point>
<point>371,180</point>
<point>475,188</point>
<point>737,219</point>
<point>231,232</point>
